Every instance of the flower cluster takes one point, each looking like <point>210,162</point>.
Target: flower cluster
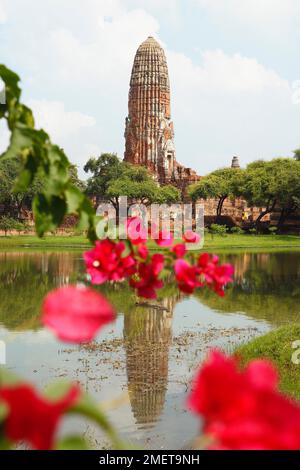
<point>243,409</point>
<point>106,261</point>
<point>31,418</point>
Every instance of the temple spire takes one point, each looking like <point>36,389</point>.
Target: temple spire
<point>235,162</point>
<point>149,131</point>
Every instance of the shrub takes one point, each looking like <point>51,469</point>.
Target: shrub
<point>237,230</point>
<point>217,229</point>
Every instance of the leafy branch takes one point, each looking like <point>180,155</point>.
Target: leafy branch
<point>40,157</point>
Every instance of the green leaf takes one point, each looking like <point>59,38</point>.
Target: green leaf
<point>11,81</point>
<point>57,390</point>
<point>49,212</point>
<point>74,198</point>
<point>45,160</point>
<point>8,378</point>
<point>3,411</point>
<point>24,138</point>
<point>88,408</point>
<point>72,443</point>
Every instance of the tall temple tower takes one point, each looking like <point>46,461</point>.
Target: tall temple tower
<point>149,131</point>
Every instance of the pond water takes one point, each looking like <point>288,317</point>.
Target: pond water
<point>140,367</point>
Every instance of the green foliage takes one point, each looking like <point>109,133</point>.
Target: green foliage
<point>297,154</point>
<point>7,224</point>
<point>112,178</point>
<point>237,230</point>
<point>272,184</point>
<point>253,231</point>
<point>217,229</point>
<point>40,157</point>
<point>13,198</point>
<point>168,195</point>
<point>219,184</point>
<point>277,347</point>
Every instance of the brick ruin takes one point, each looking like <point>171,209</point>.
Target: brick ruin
<point>149,130</point>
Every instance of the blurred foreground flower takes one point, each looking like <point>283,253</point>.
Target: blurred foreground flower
<point>75,314</point>
<point>243,409</point>
<point>191,237</point>
<point>31,418</point>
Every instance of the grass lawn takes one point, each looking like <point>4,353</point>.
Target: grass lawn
<point>277,347</point>
<point>227,243</point>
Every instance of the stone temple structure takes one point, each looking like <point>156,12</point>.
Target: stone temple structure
<point>235,162</point>
<point>149,130</point>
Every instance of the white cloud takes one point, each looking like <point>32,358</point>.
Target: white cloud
<point>3,16</point>
<point>268,16</point>
<point>221,73</point>
<point>228,105</point>
<point>109,54</point>
<point>80,56</point>
<point>57,121</point>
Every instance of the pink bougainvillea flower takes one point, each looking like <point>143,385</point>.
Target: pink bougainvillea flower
<point>179,250</point>
<point>215,275</point>
<point>191,237</point>
<point>136,231</point>
<point>187,276</point>
<point>222,276</point>
<point>163,238</point>
<point>143,251</point>
<point>148,277</point>
<point>75,314</point>
<point>243,409</point>
<point>34,419</point>
<point>106,263</point>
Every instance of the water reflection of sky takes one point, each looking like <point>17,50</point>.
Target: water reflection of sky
<point>148,357</point>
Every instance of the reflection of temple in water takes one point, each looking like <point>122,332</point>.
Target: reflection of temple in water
<point>148,334</point>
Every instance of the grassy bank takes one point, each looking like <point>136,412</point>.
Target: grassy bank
<point>217,243</point>
<point>277,347</point>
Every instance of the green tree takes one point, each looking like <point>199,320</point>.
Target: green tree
<point>76,181</point>
<point>297,155</point>
<point>7,224</point>
<point>272,184</point>
<point>112,178</point>
<point>219,184</point>
<point>15,200</point>
<point>169,194</point>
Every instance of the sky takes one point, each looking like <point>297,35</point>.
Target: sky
<point>233,65</point>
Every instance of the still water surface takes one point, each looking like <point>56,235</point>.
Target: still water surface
<point>140,368</point>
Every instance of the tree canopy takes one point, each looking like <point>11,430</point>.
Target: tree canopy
<point>297,154</point>
<point>112,178</point>
<point>219,184</point>
<point>272,184</point>
<point>15,199</point>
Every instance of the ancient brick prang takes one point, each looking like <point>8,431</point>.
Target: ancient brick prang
<point>149,130</point>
